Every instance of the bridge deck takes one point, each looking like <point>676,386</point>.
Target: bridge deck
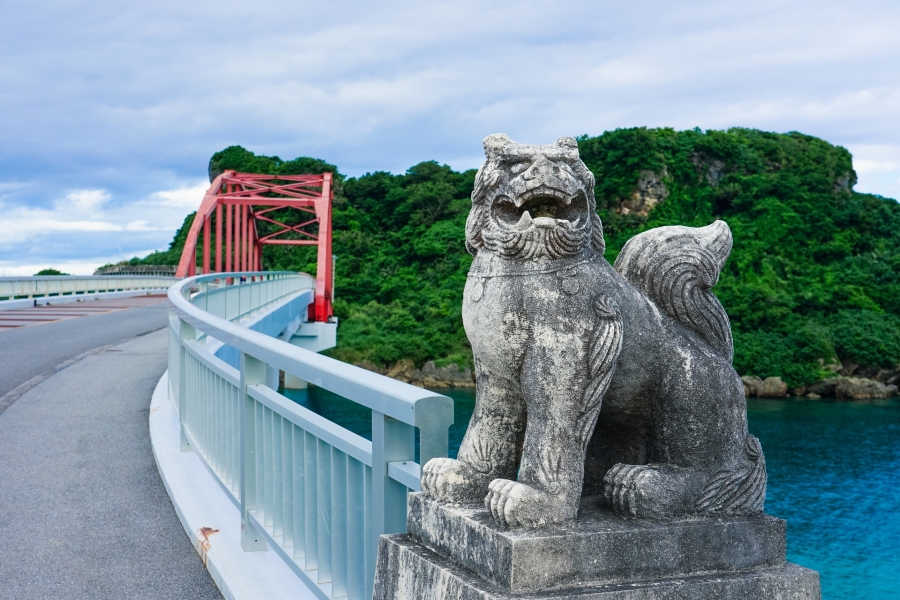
<point>39,315</point>
<point>83,512</point>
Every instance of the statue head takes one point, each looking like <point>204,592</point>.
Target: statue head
<point>533,201</point>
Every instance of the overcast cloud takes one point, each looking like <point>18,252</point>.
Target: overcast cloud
<point>109,111</point>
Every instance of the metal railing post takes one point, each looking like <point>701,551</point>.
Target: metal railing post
<point>253,371</point>
<point>187,332</point>
<point>174,359</point>
<point>392,440</point>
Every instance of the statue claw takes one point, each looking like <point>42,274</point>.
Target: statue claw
<point>516,505</point>
<point>452,481</point>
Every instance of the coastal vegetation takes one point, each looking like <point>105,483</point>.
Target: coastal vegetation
<point>49,272</point>
<point>812,285</point>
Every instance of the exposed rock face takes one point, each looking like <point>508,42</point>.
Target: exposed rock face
<point>429,376</point>
<point>856,388</point>
<point>711,169</point>
<point>825,387</point>
<point>770,387</point>
<point>649,192</point>
<point>887,376</point>
<point>562,340</point>
<point>844,183</point>
<point>853,388</point>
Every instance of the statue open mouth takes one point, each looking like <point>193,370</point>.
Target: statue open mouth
<point>542,207</point>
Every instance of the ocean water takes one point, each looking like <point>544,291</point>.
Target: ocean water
<point>834,475</point>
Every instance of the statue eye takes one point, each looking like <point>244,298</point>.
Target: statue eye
<point>518,167</point>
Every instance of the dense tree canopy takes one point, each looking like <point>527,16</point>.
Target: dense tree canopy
<point>49,272</point>
<point>814,275</point>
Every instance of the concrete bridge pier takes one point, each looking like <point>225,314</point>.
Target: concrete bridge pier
<point>314,337</point>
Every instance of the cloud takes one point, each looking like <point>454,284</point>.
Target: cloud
<point>87,200</point>
<point>72,267</point>
<point>187,198</point>
<point>879,158</point>
<point>123,103</point>
<point>87,228</point>
<point>140,226</point>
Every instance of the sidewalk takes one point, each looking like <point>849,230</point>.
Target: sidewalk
<point>83,512</point>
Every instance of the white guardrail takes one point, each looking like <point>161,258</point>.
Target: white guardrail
<point>12,288</point>
<point>317,494</point>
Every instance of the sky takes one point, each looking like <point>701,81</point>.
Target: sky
<point>110,110</point>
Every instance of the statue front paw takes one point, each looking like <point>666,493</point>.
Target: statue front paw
<point>646,491</point>
<point>452,481</point>
<point>517,505</point>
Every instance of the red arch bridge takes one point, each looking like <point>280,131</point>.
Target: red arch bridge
<point>237,205</point>
<point>280,501</point>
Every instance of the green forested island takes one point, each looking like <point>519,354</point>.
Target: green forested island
<point>812,285</point>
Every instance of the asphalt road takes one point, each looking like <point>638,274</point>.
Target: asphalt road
<point>29,351</point>
<point>83,511</point>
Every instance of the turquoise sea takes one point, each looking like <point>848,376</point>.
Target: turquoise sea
<point>834,474</point>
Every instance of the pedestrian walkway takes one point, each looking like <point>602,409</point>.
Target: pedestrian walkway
<point>83,512</point>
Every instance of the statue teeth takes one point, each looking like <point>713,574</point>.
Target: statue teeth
<point>524,222</point>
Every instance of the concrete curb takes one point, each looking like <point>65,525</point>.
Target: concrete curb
<point>47,300</point>
<point>210,519</point>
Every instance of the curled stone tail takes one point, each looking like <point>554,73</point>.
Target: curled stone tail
<point>741,491</point>
<point>675,267</point>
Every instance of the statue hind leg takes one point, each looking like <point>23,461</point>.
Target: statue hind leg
<point>490,448</point>
<point>703,458</point>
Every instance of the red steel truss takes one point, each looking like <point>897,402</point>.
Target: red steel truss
<point>247,198</point>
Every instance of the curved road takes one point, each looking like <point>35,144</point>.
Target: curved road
<point>83,512</point>
<point>30,351</point>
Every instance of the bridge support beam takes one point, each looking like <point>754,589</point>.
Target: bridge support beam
<point>292,382</point>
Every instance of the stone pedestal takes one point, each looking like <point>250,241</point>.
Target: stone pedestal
<point>459,553</point>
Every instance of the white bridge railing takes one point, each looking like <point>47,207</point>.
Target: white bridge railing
<point>12,288</point>
<point>312,491</point>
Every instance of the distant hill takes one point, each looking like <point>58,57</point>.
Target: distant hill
<point>813,282</point>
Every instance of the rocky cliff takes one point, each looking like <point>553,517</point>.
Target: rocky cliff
<point>429,376</point>
<point>847,388</point>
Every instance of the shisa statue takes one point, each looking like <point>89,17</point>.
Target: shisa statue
<point>593,379</point>
<point>609,441</point>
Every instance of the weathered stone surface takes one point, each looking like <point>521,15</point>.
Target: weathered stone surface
<point>856,388</point>
<point>599,548</point>
<point>409,571</point>
<point>711,169</point>
<point>649,191</point>
<point>852,388</point>
<point>824,387</point>
<point>429,376</point>
<point>592,378</point>
<point>770,387</point>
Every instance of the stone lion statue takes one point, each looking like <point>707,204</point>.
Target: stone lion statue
<point>593,379</point>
